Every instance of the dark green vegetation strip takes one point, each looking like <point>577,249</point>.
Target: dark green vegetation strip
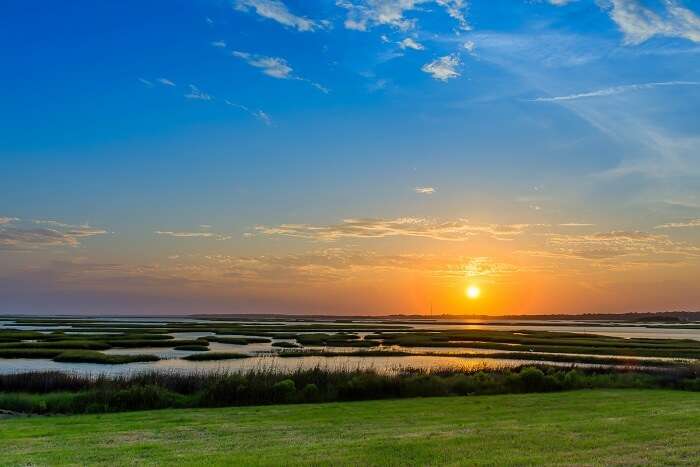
<point>351,353</point>
<point>545,341</point>
<point>59,344</point>
<point>55,392</point>
<point>215,356</point>
<point>29,353</point>
<point>285,345</point>
<point>602,427</point>
<point>545,357</point>
<point>76,356</point>
<point>530,356</point>
<point>194,348</point>
<point>135,343</point>
<point>335,340</point>
<point>88,356</point>
<point>239,340</point>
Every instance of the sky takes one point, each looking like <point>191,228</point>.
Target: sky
<point>350,157</point>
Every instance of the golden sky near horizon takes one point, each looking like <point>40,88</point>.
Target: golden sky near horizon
<point>370,266</point>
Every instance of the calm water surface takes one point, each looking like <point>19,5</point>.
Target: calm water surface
<point>260,358</point>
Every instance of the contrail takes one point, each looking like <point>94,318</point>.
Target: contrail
<point>615,90</point>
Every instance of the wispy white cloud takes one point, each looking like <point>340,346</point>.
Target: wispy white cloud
<point>651,150</point>
<point>614,90</point>
<point>16,238</point>
<point>682,203</point>
<point>457,10</point>
<point>443,68</point>
<point>378,84</point>
<point>77,231</point>
<point>667,155</point>
<point>550,49</point>
<point>459,229</point>
<point>271,66</point>
<point>424,190</point>
<point>639,23</point>
<point>185,234</point>
<point>604,246</point>
<point>146,82</point>
<point>366,14</point>
<point>278,11</point>
<point>678,225</point>
<point>219,44</point>
<point>469,46</point>
<point>263,117</point>
<point>259,114</point>
<point>485,267</point>
<point>410,43</point>
<point>370,13</point>
<point>308,268</point>
<point>165,82</point>
<point>275,67</point>
<point>196,94</point>
<point>28,235</point>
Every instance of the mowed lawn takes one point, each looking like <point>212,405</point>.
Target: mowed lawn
<point>603,427</point>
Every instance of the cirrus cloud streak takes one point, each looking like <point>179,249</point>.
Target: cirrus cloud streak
<point>453,230</point>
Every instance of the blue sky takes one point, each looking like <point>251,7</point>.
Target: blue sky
<point>132,125</point>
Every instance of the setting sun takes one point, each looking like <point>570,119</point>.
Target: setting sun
<point>472,292</point>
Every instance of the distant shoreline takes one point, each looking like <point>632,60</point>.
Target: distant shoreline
<point>638,317</point>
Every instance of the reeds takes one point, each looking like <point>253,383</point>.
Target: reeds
<point>56,392</point>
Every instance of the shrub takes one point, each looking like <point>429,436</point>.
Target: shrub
<point>690,384</point>
<point>367,386</point>
<point>573,379</point>
<point>225,391</point>
<point>490,383</point>
<point>57,402</point>
<point>284,390</point>
<point>462,385</point>
<point>142,397</point>
<point>310,393</point>
<point>424,386</point>
<point>530,379</point>
<point>18,403</point>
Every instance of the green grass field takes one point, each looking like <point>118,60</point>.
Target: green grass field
<point>597,427</point>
